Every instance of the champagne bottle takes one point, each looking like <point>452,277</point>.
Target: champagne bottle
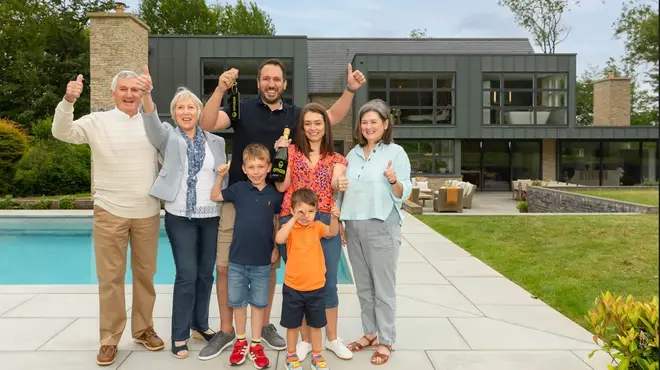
<point>280,161</point>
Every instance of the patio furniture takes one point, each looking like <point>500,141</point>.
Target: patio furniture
<point>440,203</point>
<point>468,191</point>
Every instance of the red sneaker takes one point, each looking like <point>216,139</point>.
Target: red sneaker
<point>258,356</point>
<point>239,354</point>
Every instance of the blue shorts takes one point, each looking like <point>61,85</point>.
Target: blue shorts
<point>248,285</point>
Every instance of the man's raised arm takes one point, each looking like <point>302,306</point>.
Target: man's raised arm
<point>340,109</point>
<point>212,118</point>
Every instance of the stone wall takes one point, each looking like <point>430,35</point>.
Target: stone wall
<point>343,130</point>
<point>118,41</point>
<point>549,160</point>
<point>612,101</point>
<point>557,200</point>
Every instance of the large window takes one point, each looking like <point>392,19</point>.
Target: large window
<point>429,156</point>
<point>416,98</point>
<point>607,163</point>
<point>247,76</point>
<point>525,99</point>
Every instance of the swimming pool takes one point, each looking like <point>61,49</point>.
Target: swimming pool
<point>59,250</point>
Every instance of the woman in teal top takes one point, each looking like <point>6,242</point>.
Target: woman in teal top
<point>378,177</point>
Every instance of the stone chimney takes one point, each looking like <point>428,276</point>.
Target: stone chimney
<point>118,41</point>
<point>612,101</point>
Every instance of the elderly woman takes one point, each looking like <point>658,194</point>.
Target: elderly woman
<point>190,159</point>
<point>378,177</point>
<point>313,164</point>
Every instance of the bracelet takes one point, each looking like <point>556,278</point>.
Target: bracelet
<point>394,183</point>
<point>349,89</point>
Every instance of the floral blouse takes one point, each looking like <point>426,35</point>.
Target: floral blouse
<point>318,178</point>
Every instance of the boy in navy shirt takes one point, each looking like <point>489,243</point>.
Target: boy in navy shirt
<point>252,251</point>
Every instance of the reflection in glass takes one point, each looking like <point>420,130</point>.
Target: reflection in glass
<point>491,116</point>
<point>518,116</point>
<point>411,82</point>
<point>551,98</point>
<point>518,80</point>
<point>621,163</point>
<point>411,98</point>
<point>518,98</point>
<point>444,165</point>
<point>650,161</point>
<point>496,170</point>
<point>580,162</point>
<point>416,115</point>
<point>420,165</point>
<point>471,162</point>
<point>525,160</point>
<point>444,98</point>
<point>551,116</point>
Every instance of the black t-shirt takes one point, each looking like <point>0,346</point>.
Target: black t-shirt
<point>259,124</point>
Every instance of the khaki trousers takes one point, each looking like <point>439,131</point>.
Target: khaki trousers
<point>111,237</point>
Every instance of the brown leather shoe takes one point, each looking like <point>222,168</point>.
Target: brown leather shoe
<point>106,356</point>
<point>150,340</point>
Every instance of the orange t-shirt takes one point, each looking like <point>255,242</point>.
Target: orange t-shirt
<point>305,264</point>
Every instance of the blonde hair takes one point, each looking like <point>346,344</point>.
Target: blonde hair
<point>256,151</point>
<point>184,93</point>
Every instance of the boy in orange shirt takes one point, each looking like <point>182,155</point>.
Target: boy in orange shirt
<point>304,274</point>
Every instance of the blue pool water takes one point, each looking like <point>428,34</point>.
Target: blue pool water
<point>58,250</point>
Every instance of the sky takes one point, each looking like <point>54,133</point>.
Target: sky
<point>591,35</point>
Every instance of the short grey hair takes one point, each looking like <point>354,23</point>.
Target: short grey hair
<point>122,74</point>
<point>184,93</point>
<point>383,110</point>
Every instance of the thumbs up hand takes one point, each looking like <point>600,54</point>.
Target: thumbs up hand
<point>355,78</point>
<point>145,84</point>
<point>390,174</point>
<point>74,89</point>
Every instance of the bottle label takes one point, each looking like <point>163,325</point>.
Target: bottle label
<point>280,168</point>
<point>234,103</point>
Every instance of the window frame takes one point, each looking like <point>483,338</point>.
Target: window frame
<point>533,109</point>
<point>434,90</point>
<point>287,97</point>
<point>434,156</point>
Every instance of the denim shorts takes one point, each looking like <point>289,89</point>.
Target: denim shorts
<point>248,285</point>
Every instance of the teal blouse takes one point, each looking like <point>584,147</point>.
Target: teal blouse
<point>369,194</point>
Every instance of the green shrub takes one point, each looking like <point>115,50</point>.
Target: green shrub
<point>7,202</point>
<point>39,204</point>
<point>627,331</point>
<point>522,206</point>
<point>52,167</point>
<point>42,129</point>
<point>13,143</point>
<point>66,202</point>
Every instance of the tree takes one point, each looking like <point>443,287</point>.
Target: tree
<point>418,33</point>
<point>638,24</point>
<point>176,17</point>
<point>194,17</point>
<point>43,45</point>
<point>542,18</point>
<point>240,20</point>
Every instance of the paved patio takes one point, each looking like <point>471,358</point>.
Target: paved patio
<point>454,312</point>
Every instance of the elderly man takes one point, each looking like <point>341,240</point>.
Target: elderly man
<point>262,120</point>
<point>125,168</point>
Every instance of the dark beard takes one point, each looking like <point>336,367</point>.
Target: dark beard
<point>271,101</point>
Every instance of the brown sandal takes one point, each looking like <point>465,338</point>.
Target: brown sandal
<point>357,346</point>
<point>382,357</point>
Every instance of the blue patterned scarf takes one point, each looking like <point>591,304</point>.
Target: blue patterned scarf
<point>195,153</point>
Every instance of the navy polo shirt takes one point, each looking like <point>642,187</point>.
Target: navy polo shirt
<point>259,124</point>
<point>252,243</point>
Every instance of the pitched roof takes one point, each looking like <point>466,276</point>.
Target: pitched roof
<point>328,57</point>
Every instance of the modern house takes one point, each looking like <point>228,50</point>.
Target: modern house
<point>487,111</point>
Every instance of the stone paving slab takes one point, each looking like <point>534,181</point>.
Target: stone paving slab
<point>454,312</point>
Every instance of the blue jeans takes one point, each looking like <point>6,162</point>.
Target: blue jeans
<point>194,242</point>
<point>331,252</point>
<point>248,285</point>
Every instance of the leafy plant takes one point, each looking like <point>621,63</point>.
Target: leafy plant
<point>537,183</point>
<point>39,204</point>
<point>13,144</point>
<point>7,202</point>
<point>66,202</point>
<point>627,330</point>
<point>522,206</point>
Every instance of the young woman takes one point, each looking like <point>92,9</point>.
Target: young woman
<point>313,164</point>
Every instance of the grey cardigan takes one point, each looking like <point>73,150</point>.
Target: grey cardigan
<point>173,148</point>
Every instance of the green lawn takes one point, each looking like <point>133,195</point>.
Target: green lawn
<point>566,261</point>
<point>54,197</point>
<point>649,197</point>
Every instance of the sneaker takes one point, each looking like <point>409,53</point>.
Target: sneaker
<point>216,345</point>
<point>292,362</point>
<point>239,354</point>
<point>258,356</point>
<point>318,363</point>
<point>339,348</point>
<point>303,349</point>
<point>272,338</point>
